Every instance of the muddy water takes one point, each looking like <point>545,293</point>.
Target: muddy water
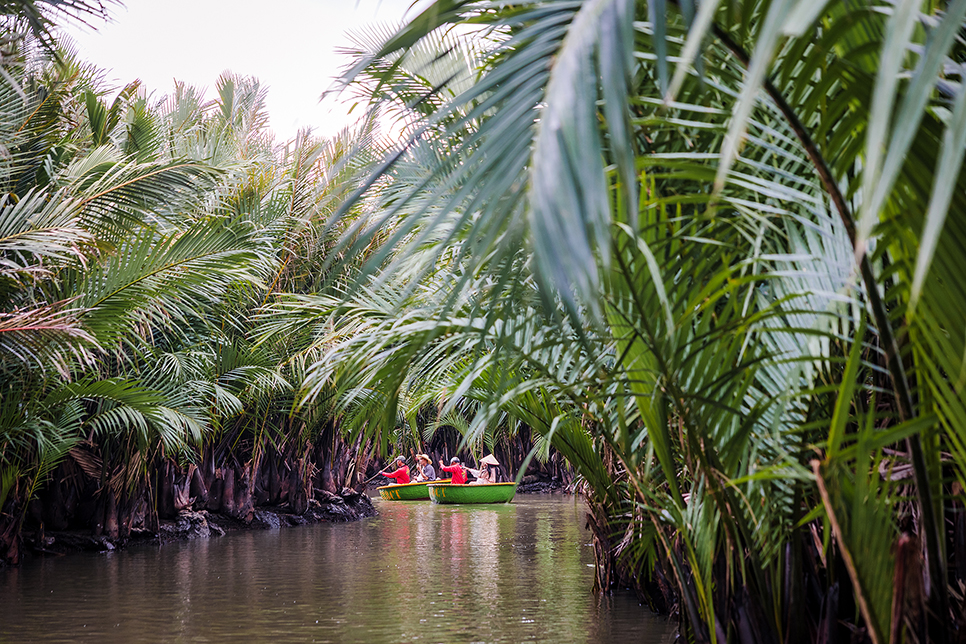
<point>417,573</point>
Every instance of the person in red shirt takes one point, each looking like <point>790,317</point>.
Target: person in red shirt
<point>456,469</point>
<point>401,475</point>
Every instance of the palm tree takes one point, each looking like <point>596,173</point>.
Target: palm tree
<point>765,241</point>
<point>140,243</point>
<point>37,19</point>
<point>99,261</point>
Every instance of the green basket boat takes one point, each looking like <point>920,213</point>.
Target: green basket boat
<point>488,493</point>
<point>407,491</point>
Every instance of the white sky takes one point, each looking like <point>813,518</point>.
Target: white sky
<point>290,48</point>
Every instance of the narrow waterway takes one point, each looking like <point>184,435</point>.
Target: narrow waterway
<point>417,573</point>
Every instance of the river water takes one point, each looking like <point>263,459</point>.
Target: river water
<point>418,572</point>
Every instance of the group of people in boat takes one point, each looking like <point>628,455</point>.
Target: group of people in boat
<point>488,472</point>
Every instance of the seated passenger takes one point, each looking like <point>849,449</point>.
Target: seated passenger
<point>489,471</point>
<point>455,469</point>
<point>401,475</point>
<point>424,469</point>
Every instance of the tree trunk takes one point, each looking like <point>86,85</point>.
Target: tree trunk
<point>228,493</point>
<point>244,509</point>
<point>298,498</point>
<point>10,532</point>
<point>197,490</point>
<point>124,509</point>
<point>110,514</point>
<point>182,488</point>
<point>216,492</point>
<point>166,509</point>
<point>274,484</point>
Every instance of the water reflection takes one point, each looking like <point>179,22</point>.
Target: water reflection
<point>417,573</point>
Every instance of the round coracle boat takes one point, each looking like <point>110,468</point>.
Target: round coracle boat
<point>440,492</point>
<point>407,491</point>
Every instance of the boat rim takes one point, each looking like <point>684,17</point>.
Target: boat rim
<point>439,483</point>
<point>411,484</point>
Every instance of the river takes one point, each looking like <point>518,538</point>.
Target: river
<point>419,572</point>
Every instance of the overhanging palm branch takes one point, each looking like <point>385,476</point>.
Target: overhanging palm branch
<point>158,278</point>
<point>760,135</point>
<point>40,16</point>
<point>45,337</point>
<point>129,407</point>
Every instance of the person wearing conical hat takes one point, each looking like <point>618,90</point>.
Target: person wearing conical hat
<point>488,472</point>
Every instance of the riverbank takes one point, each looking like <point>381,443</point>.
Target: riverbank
<point>500,574</point>
<point>196,516</point>
<point>188,524</point>
<point>543,484</point>
<point>327,507</point>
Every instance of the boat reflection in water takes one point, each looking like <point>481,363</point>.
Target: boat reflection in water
<point>504,573</point>
<point>417,573</point>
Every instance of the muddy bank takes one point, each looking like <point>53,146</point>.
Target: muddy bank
<point>187,524</point>
<point>99,499</point>
<point>95,501</point>
<point>542,483</point>
<point>348,505</point>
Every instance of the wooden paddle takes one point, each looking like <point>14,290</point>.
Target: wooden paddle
<point>378,474</point>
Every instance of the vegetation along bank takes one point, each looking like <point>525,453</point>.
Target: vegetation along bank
<point>710,254</point>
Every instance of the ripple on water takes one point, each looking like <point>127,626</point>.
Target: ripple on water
<point>521,572</point>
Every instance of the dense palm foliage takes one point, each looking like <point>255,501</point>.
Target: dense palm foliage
<point>144,245</point>
<point>138,240</point>
<point>712,252</point>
